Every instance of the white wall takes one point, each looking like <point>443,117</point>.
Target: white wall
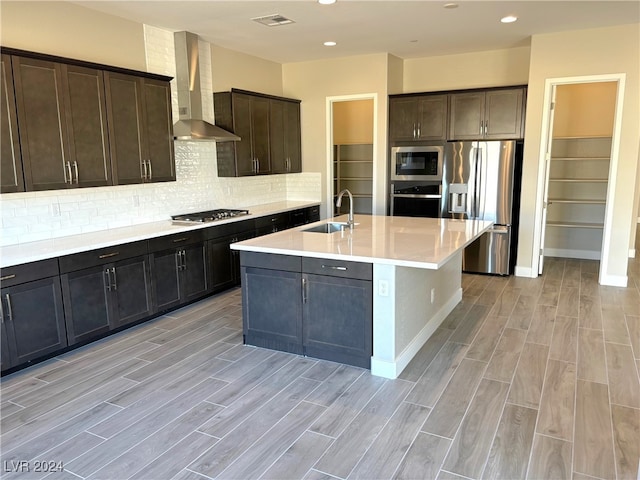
<point>492,68</point>
<point>577,53</point>
<point>314,82</point>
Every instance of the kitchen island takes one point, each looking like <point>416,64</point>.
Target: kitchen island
<point>415,268</point>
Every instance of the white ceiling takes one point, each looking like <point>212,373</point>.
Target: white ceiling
<point>407,29</point>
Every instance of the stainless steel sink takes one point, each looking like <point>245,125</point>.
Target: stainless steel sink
<point>330,227</point>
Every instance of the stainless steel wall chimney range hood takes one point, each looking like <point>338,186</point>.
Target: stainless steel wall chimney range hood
<point>191,124</point>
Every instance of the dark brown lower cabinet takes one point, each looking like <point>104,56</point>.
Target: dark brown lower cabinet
<point>105,297</point>
<point>180,274</point>
<point>316,307</point>
<point>33,321</point>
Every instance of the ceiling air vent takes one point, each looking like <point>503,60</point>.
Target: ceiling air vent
<point>274,20</point>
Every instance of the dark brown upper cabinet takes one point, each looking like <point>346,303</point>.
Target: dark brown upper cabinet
<point>140,129</point>
<point>284,134</point>
<point>62,121</point>
<point>418,118</point>
<point>247,116</point>
<point>491,114</point>
<point>11,166</point>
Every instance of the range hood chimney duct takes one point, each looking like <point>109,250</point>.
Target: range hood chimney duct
<point>191,124</point>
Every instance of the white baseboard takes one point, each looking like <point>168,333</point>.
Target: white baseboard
<point>526,272</point>
<point>570,253</point>
<point>614,280</point>
<point>387,369</point>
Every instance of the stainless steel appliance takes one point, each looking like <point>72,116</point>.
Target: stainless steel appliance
<point>207,216</point>
<point>478,182</point>
<point>415,200</point>
<point>422,163</point>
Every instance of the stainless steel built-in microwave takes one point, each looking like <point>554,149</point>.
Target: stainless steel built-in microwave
<point>417,163</point>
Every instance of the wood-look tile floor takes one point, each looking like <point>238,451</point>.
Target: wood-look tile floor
<point>527,378</point>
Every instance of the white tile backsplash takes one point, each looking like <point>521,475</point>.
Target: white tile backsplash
<point>32,216</point>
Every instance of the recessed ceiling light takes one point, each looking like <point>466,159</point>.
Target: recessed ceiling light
<point>509,19</point>
<point>326,2</point>
<point>329,44</point>
<point>450,5</point>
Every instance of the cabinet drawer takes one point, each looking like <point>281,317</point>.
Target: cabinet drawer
<point>313,214</point>
<point>337,268</point>
<point>280,220</point>
<point>230,229</point>
<point>176,240</point>
<point>29,271</point>
<point>79,261</point>
<point>271,261</point>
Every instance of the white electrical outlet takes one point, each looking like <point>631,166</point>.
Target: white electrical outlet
<point>433,294</point>
<point>383,288</point>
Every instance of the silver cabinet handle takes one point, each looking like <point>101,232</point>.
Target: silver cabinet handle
<point>109,255</point>
<point>9,309</point>
<point>144,168</point>
<point>115,281</point>
<point>150,170</point>
<point>70,174</point>
<point>179,260</point>
<point>107,273</point>
<point>181,239</point>
<point>331,267</point>
<point>419,129</point>
<point>184,260</point>
<point>8,277</point>
<point>304,290</point>
<point>75,168</point>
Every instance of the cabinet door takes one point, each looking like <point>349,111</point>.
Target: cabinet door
<point>124,109</point>
<point>272,309</point>
<point>245,164</point>
<point>338,315</point>
<point>292,138</point>
<point>158,129</point>
<point>284,133</point>
<point>466,120</point>
<point>34,319</point>
<point>260,133</point>
<point>165,279</point>
<point>195,272</point>
<point>11,162</point>
<point>432,119</point>
<point>277,132</point>
<point>86,304</point>
<point>222,260</point>
<point>43,130</point>
<point>86,118</point>
<point>403,115</point>
<point>503,114</point>
<point>5,360</point>
<point>132,290</point>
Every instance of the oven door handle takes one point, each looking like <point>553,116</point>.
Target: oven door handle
<point>415,195</point>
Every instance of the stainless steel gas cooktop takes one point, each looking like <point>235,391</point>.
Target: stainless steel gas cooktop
<point>207,216</point>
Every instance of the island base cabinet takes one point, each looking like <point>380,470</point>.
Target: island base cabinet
<point>33,321</point>
<point>337,315</point>
<point>286,307</point>
<point>272,309</point>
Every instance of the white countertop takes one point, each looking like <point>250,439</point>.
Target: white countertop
<point>33,251</point>
<point>403,241</point>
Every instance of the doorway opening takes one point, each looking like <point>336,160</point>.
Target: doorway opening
<point>580,160</point>
<point>352,164</point>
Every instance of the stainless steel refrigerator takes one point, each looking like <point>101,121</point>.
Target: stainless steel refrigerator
<point>478,182</point>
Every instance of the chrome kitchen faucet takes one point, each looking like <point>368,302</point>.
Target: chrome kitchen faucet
<point>350,222</point>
